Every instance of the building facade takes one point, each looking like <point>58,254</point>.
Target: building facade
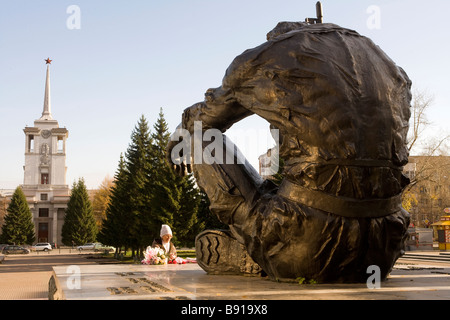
<point>268,163</point>
<point>45,171</point>
<point>428,196</point>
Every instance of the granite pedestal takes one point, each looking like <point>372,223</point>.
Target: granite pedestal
<point>408,280</point>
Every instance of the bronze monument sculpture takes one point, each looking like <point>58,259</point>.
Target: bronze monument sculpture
<point>341,107</point>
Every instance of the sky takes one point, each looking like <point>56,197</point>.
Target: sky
<point>114,61</point>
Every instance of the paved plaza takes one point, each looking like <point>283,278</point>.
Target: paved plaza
<point>26,277</point>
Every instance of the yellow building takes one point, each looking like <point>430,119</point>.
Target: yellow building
<point>442,230</point>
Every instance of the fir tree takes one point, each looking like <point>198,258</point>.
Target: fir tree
<point>116,226</point>
<point>137,159</point>
<point>79,223</point>
<point>138,202</point>
<point>18,227</point>
<point>175,199</point>
<point>185,220</point>
<point>164,184</point>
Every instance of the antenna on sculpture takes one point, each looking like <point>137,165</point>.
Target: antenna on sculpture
<point>319,14</point>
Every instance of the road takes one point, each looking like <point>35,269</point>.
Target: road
<point>25,277</point>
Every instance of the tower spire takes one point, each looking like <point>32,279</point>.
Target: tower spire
<point>46,113</point>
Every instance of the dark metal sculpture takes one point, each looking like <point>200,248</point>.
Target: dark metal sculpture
<point>342,107</point>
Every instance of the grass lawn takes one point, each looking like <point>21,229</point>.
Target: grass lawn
<point>127,258</point>
<point>186,253</point>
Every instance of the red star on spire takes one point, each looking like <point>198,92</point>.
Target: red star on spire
<point>48,61</point>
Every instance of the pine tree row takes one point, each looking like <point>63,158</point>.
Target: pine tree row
<point>147,193</point>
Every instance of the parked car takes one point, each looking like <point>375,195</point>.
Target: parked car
<point>103,247</point>
<point>10,249</point>
<point>95,246</point>
<point>88,246</point>
<point>42,246</point>
<point>2,246</point>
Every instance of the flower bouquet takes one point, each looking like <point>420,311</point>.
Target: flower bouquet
<point>179,260</point>
<point>154,256</point>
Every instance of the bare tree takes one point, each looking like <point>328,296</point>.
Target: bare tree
<point>426,196</point>
<point>417,141</point>
<point>421,145</point>
<point>421,101</point>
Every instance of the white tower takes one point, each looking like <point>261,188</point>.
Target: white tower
<point>45,170</point>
